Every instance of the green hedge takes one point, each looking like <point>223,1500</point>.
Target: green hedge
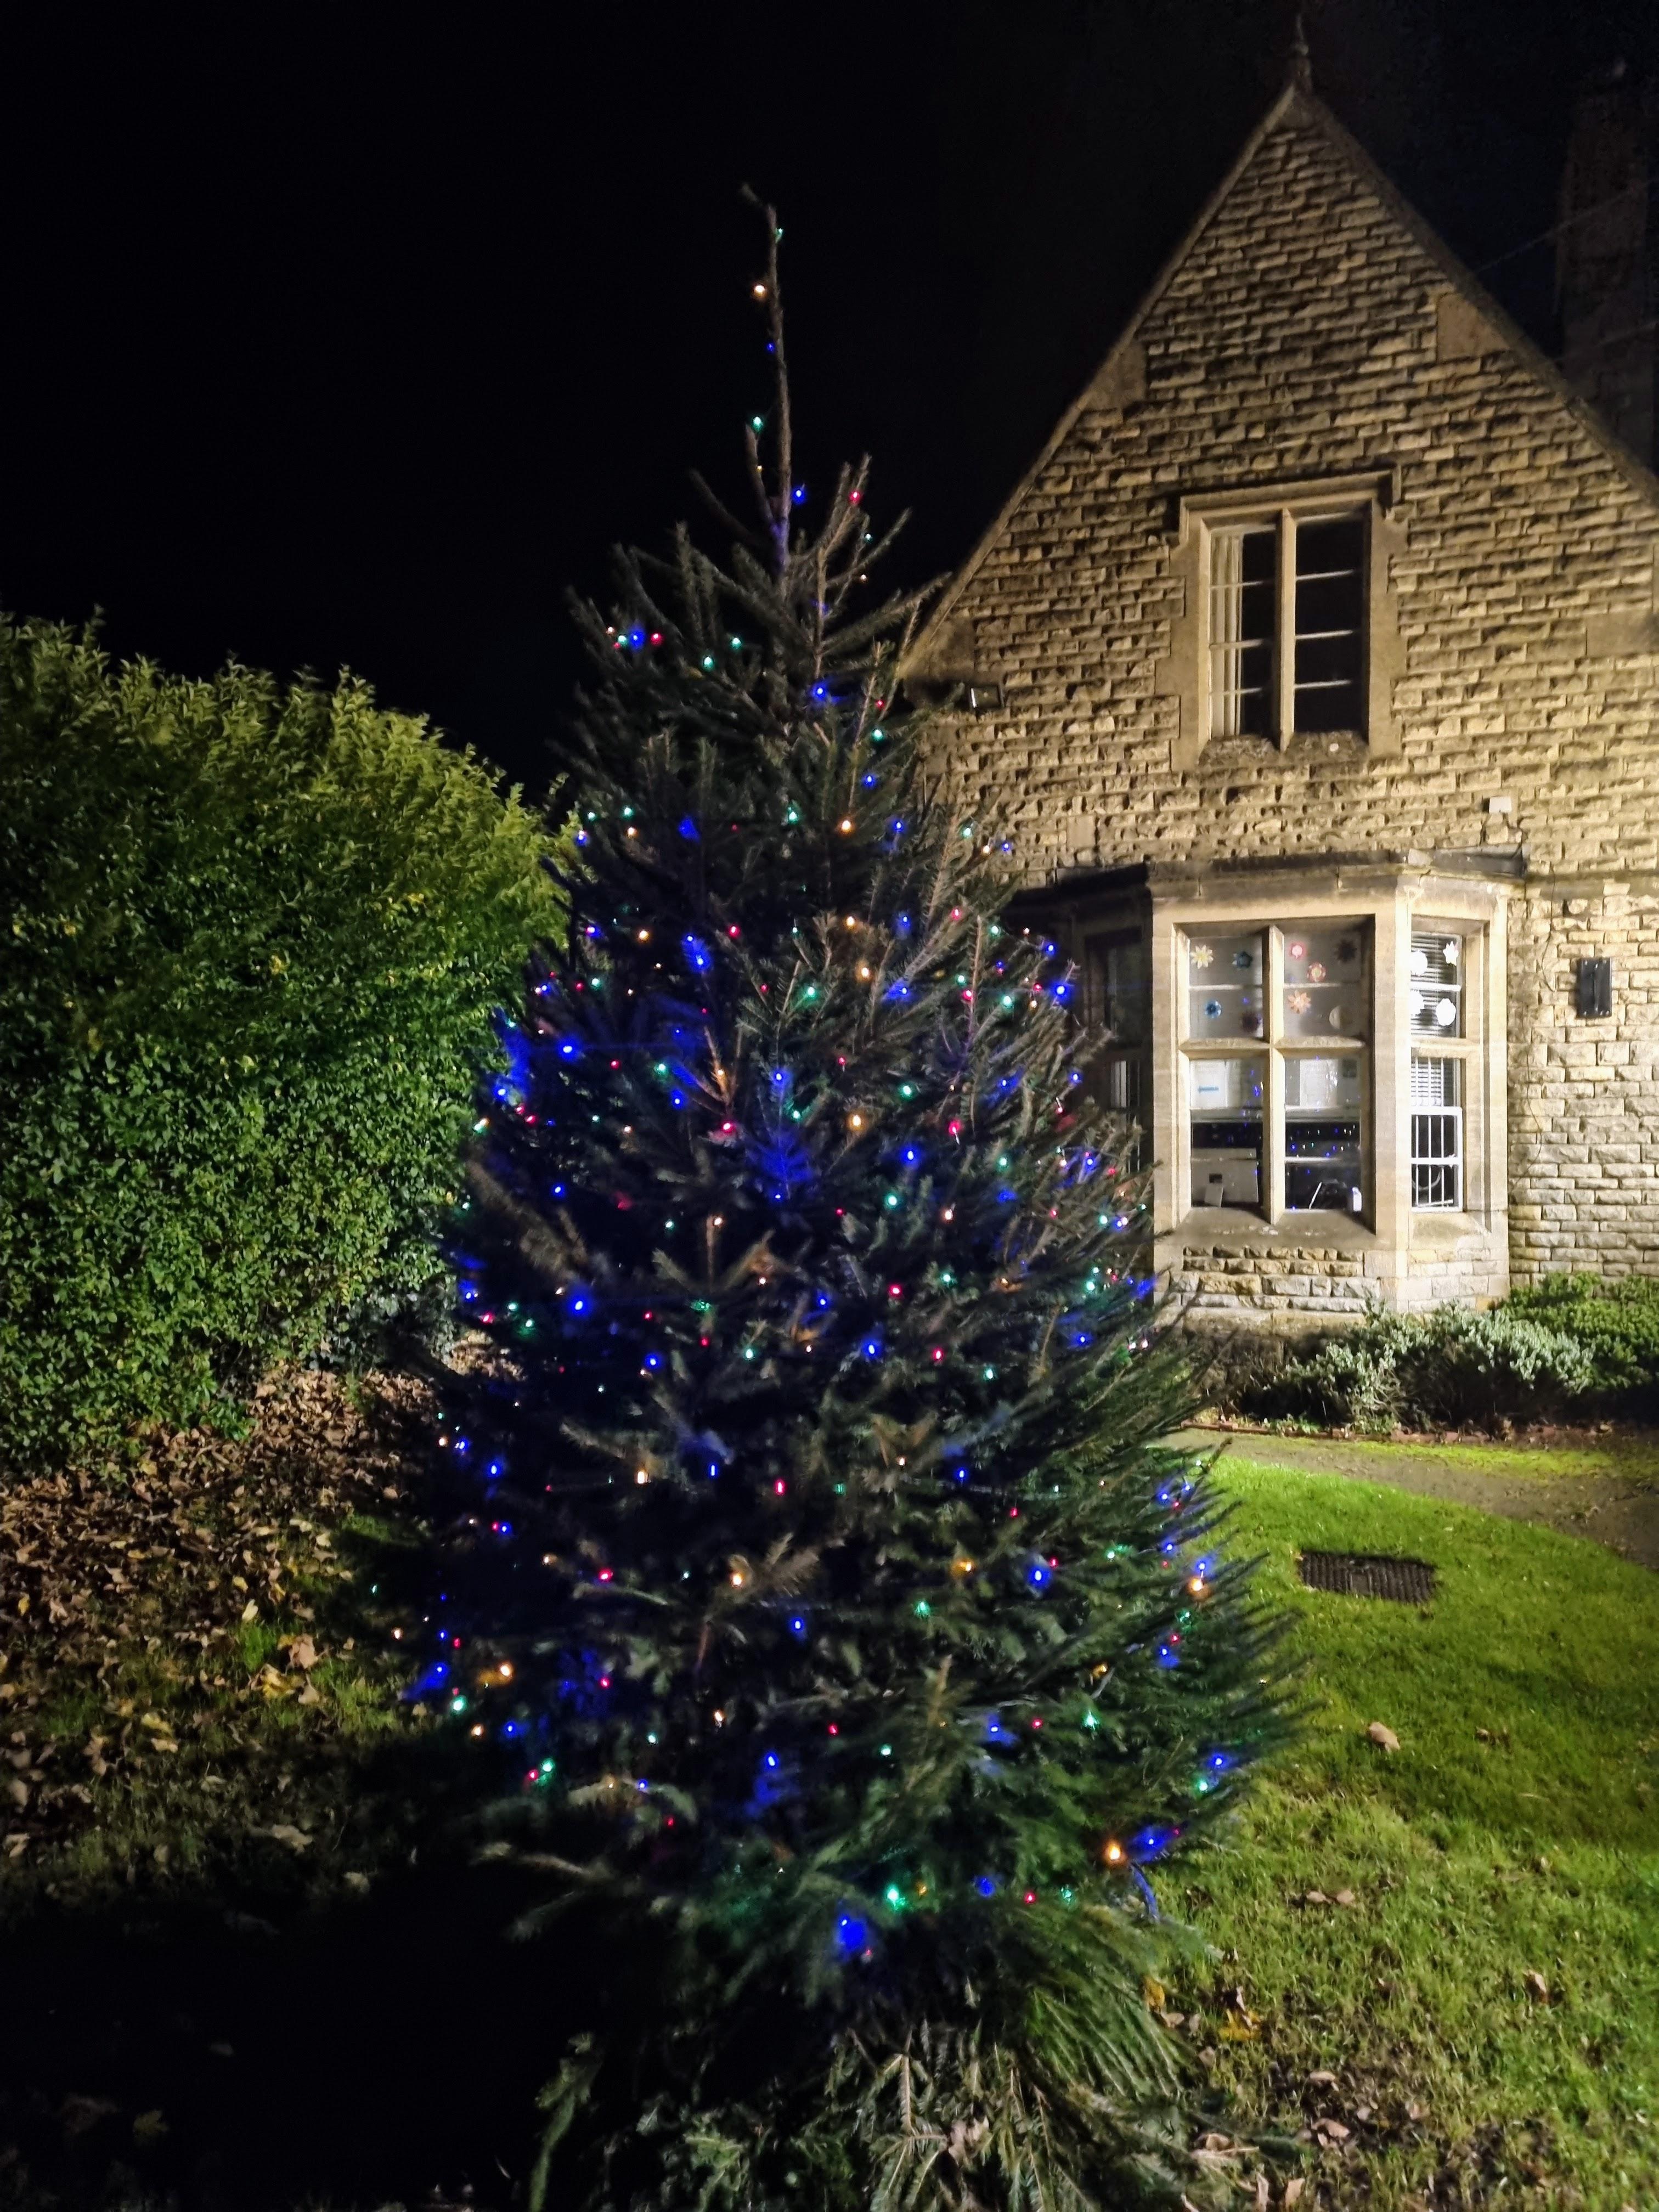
<point>1617,1323</point>
<point>1566,1345</point>
<point>253,939</point>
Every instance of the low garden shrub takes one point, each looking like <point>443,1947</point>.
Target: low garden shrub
<point>1424,1371</point>
<point>255,938</point>
<point>1617,1323</point>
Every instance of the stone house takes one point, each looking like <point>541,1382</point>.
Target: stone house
<point>1312,670</point>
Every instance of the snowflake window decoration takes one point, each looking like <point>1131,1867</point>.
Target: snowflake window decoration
<point>1347,951</point>
<point>1317,972</point>
<point>1419,961</point>
<point>1336,1018</point>
<point>1244,957</point>
<point>1203,955</point>
<point>1296,949</point>
<point>1452,951</point>
<point>1446,1013</point>
<point>1299,1001</point>
<point>1212,1010</point>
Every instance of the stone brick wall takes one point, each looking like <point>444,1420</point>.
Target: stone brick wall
<point>1311,330</point>
<point>1312,1284</point>
<point>1584,1095</point>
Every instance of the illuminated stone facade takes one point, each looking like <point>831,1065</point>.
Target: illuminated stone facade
<point>1313,359</point>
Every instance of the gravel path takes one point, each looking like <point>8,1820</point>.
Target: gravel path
<point>1618,1510</point>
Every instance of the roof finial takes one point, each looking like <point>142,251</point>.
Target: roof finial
<point>1301,60</point>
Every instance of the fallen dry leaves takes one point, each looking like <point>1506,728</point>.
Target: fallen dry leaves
<point>162,1569</point>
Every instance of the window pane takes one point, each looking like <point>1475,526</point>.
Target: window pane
<point>1436,984</point>
<point>1323,1170</point>
<point>1330,601</point>
<point>1328,990</point>
<point>1437,1134</point>
<point>1224,1099</point>
<point>1225,976</point>
<point>1118,987</point>
<point>1243,591</point>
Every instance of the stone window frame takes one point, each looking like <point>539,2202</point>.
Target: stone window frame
<point>1392,903</point>
<point>1184,674</point>
<point>1276,1048</point>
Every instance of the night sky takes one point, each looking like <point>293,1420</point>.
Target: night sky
<point>358,337</point>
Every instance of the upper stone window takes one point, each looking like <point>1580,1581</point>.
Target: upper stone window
<point>1287,625</point>
<point>1287,640</point>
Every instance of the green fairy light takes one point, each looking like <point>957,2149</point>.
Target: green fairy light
<point>924,1611</point>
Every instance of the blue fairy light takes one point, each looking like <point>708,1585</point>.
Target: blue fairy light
<point>985,1887</point>
<point>850,1933</point>
<point>579,1305</point>
<point>469,1292</point>
<point>800,492</point>
<point>558,1190</point>
<point>688,830</point>
<point>1220,1761</point>
<point>870,780</point>
<point>676,1098</point>
<point>771,1762</point>
<point>512,1727</point>
<point>994,1731</point>
<point>902,924</point>
<point>962,1473</point>
<point>1062,990</point>
<point>654,1359</point>
<point>697,952</point>
<point>870,1347</point>
<point>911,1155</point>
<point>713,1468</point>
<point>820,691</point>
<point>798,1626</point>
<point>898,988</point>
<point>463,1445</point>
<point>1168,1655</point>
<point>495,1469</point>
<point>1039,1574</point>
<point>570,1049</point>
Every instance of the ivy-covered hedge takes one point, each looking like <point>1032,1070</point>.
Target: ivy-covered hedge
<point>252,940</point>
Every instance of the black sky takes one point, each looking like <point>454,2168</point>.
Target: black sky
<point>354,338</point>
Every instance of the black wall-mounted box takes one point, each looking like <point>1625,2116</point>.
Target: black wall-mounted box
<point>1595,992</point>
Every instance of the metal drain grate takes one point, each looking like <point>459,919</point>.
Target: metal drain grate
<point>1368,1574</point>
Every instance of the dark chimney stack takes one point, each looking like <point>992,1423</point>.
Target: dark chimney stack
<point>1605,255</point>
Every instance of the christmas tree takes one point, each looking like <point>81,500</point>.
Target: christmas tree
<point>859,1649</point>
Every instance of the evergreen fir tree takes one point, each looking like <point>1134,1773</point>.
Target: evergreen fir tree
<point>860,1649</point>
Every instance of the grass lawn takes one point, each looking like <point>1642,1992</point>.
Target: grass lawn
<point>1514,1834</point>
